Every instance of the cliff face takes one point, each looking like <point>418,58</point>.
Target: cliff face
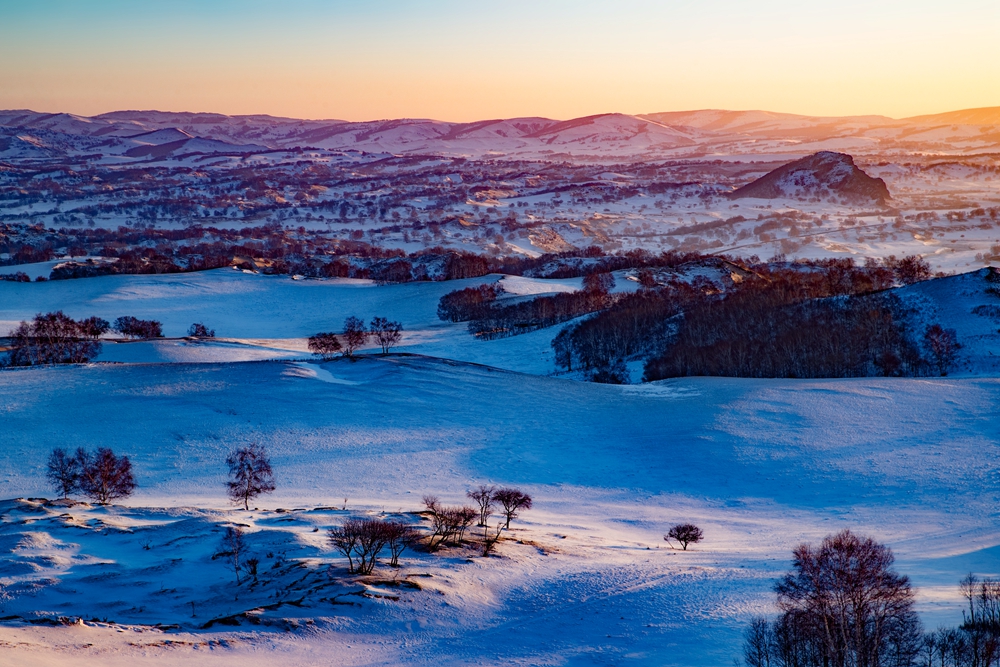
<point>819,175</point>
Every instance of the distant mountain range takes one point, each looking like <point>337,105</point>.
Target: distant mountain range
<point>145,135</point>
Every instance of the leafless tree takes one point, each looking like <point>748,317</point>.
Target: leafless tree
<point>685,533</point>
<point>598,283</point>
<point>234,544</point>
<point>942,344</point>
<point>758,643</point>
<point>361,540</point>
<point>355,335</point>
<point>94,327</point>
<point>105,477</point>
<point>387,334</point>
<point>326,345</point>
<point>483,496</point>
<point>490,539</point>
<point>250,474</point>
<point>399,536</point>
<point>464,517</point>
<point>845,604</point>
<point>512,501</point>
<point>64,471</point>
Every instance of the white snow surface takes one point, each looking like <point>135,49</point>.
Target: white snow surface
<point>584,577</point>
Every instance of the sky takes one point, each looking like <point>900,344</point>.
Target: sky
<point>478,59</point>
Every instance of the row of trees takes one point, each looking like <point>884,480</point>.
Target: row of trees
<point>56,338</point>
<point>491,318</point>
<point>355,336</point>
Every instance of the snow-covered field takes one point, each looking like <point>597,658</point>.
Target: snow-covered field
<point>584,577</point>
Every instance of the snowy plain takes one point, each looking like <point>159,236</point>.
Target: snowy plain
<point>585,578</point>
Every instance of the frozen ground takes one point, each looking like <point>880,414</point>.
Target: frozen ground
<point>760,465</point>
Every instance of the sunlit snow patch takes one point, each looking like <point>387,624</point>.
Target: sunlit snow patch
<point>301,369</point>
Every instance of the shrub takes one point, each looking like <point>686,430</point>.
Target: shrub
<point>199,330</point>
<point>361,541</point>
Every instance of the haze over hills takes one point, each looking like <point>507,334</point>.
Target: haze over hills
<point>669,134</point>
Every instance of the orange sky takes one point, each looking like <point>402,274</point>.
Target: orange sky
<point>466,61</point>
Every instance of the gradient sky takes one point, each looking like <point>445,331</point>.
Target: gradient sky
<point>474,59</point>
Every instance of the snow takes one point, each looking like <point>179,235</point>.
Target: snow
<point>760,465</point>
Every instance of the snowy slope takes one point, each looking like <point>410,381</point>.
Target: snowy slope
<point>760,465</point>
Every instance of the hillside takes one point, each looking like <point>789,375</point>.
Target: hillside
<point>822,175</point>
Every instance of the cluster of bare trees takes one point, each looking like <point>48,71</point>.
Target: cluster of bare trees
<point>471,303</point>
<point>362,541</point>
<point>101,476</point>
<point>842,605</point>
<point>133,327</point>
<point>355,335</point>
<point>55,338</point>
<point>199,330</point>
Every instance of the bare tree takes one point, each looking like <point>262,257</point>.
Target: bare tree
<point>64,471</point>
<point>483,495</point>
<point>464,516</point>
<point>758,643</point>
<point>94,327</point>
<point>490,539</point>
<point>355,335</point>
<point>326,345</point>
<point>685,533</point>
<point>361,540</point>
<point>943,347</point>
<point>399,536</point>
<point>387,334</point>
<point>845,604</point>
<point>344,540</point>
<point>105,477</point>
<point>513,501</point>
<point>234,544</point>
<point>250,474</point>
<point>598,283</point>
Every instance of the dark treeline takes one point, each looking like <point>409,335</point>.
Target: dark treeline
<point>766,332</point>
<point>808,319</point>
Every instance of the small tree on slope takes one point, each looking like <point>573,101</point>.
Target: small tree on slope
<point>685,533</point>
<point>512,501</point>
<point>104,476</point>
<point>250,474</point>
<point>64,471</point>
